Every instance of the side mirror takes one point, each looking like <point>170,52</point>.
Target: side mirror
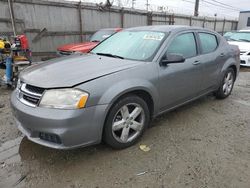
<point>172,58</point>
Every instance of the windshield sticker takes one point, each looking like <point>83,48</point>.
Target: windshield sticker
<point>153,36</point>
<point>105,36</point>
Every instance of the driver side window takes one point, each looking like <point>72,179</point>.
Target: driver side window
<point>183,44</point>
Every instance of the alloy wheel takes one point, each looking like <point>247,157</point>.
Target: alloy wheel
<point>228,83</point>
<point>128,123</point>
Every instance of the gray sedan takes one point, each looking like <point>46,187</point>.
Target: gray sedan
<point>112,93</point>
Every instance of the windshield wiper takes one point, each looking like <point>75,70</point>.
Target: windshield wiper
<point>245,40</point>
<point>110,55</point>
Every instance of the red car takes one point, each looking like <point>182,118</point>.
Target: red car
<point>85,47</point>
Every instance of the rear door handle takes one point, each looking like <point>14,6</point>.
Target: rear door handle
<point>196,63</point>
<point>222,54</point>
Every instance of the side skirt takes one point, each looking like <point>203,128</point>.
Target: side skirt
<point>184,103</point>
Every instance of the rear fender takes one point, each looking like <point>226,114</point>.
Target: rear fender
<point>230,62</point>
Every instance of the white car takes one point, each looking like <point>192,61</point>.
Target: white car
<point>242,40</point>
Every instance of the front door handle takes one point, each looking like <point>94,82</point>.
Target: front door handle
<point>222,54</point>
<point>196,63</point>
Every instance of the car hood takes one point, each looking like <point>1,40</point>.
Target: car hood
<point>243,46</point>
<point>80,47</point>
<point>73,70</point>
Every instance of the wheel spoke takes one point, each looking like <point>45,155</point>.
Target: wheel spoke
<point>226,91</point>
<point>224,87</point>
<point>230,82</point>
<point>118,125</point>
<point>229,89</point>
<point>136,126</point>
<point>228,76</point>
<point>135,113</point>
<point>124,112</point>
<point>124,135</point>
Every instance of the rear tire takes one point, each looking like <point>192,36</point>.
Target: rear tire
<point>227,84</point>
<point>126,122</point>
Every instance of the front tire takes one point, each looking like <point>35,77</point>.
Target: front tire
<point>126,122</point>
<point>227,84</point>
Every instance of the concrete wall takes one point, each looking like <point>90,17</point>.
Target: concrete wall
<point>62,23</point>
<point>243,18</point>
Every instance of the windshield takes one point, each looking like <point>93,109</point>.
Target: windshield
<point>240,36</point>
<point>135,45</point>
<point>101,35</point>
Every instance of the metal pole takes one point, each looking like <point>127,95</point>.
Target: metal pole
<point>173,19</point>
<point>196,8</point>
<point>149,18</point>
<point>133,4</point>
<point>223,27</point>
<point>204,21</point>
<point>122,18</point>
<point>215,20</point>
<point>12,17</point>
<point>147,5</point>
<point>80,20</point>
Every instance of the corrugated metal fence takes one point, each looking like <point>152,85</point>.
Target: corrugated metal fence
<point>49,24</point>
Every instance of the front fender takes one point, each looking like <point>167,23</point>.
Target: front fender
<point>127,86</point>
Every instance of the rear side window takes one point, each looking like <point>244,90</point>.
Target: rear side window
<point>183,44</point>
<point>208,42</point>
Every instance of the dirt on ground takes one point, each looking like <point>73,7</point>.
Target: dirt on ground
<point>203,144</point>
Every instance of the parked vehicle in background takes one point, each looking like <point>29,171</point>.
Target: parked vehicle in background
<point>114,91</point>
<point>242,40</point>
<point>85,47</point>
<point>228,34</point>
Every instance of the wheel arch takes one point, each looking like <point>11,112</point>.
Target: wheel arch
<point>140,92</point>
<point>146,91</point>
<point>229,64</point>
<point>143,94</point>
<point>234,69</point>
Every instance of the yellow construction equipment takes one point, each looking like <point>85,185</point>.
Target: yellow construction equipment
<point>2,44</point>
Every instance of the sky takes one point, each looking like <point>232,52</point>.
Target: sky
<point>221,8</point>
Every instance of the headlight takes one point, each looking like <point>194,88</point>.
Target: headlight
<point>64,99</point>
<point>18,84</point>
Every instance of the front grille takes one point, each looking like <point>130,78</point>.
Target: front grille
<point>35,89</point>
<point>31,99</point>
<point>50,137</point>
<point>30,95</point>
<point>242,52</point>
<point>242,62</point>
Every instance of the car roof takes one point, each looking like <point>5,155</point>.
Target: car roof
<point>244,30</point>
<point>168,28</point>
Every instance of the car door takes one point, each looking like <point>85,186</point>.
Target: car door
<point>180,82</point>
<point>211,57</point>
